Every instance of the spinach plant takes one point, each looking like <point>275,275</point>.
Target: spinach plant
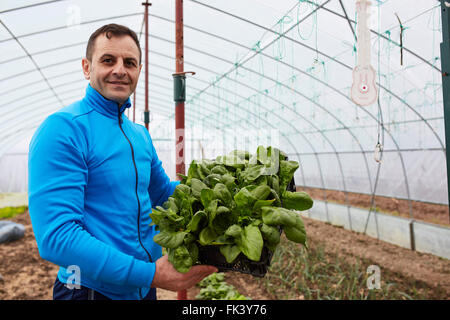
<point>236,202</point>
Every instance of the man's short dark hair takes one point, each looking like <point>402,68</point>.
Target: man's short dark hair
<point>111,30</point>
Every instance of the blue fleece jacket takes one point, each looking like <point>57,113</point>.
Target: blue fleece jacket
<point>93,179</point>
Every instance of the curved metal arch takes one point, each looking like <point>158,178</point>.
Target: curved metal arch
<point>51,107</point>
<point>318,7</point>
<point>43,67</point>
<point>29,124</point>
<point>323,83</point>
<point>29,105</point>
<point>39,81</point>
<point>44,51</point>
<point>65,26</point>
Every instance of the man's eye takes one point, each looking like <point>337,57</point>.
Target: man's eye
<point>107,60</point>
<point>130,63</point>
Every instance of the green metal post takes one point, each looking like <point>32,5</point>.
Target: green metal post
<point>445,63</point>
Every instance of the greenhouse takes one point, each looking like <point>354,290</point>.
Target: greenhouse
<point>350,93</point>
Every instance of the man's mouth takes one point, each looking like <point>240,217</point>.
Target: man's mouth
<point>121,83</point>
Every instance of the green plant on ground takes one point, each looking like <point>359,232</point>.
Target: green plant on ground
<point>214,287</point>
<point>11,212</point>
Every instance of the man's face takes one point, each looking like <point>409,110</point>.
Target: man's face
<point>114,69</point>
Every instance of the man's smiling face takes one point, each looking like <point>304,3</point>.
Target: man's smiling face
<point>115,67</point>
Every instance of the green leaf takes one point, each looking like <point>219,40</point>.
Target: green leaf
<point>192,171</point>
<point>230,252</point>
<point>252,173</point>
<point>244,200</point>
<point>207,236</point>
<point>222,193</point>
<point>181,259</point>
<point>273,182</point>
<point>197,186</point>
<point>213,179</point>
<point>261,192</point>
<point>296,200</point>
<point>262,203</point>
<point>287,169</point>
<point>171,204</point>
<point>229,181</point>
<point>296,233</point>
<point>234,231</point>
<point>276,216</point>
<point>169,239</point>
<point>157,215</point>
<point>181,191</point>
<point>193,251</point>
<point>198,221</point>
<point>206,196</point>
<point>219,169</point>
<point>221,219</point>
<point>166,219</point>
<point>251,242</point>
<point>271,235</point>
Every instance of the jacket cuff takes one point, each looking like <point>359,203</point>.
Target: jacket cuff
<point>141,274</point>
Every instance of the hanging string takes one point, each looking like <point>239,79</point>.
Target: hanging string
<point>312,4</point>
<point>378,153</point>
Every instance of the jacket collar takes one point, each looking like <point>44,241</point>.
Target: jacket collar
<point>106,107</point>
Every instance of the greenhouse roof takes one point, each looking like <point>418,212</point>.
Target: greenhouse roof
<point>259,67</point>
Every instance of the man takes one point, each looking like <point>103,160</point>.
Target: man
<point>94,177</point>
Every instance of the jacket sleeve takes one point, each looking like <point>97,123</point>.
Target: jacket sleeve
<point>160,187</point>
<point>57,177</point>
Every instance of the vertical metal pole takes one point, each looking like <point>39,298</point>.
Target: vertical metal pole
<point>179,103</point>
<point>445,64</point>
<point>146,4</point>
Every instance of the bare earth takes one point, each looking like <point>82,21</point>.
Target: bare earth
<point>25,276</point>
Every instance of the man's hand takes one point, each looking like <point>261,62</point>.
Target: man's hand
<point>167,277</point>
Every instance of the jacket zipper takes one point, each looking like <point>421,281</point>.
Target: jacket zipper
<point>136,192</point>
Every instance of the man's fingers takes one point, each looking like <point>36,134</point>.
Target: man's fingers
<point>198,273</point>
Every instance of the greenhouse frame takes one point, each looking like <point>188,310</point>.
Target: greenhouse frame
<point>220,76</point>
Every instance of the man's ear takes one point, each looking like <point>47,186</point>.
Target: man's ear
<point>86,65</point>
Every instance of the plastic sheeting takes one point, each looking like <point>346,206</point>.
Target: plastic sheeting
<point>281,71</point>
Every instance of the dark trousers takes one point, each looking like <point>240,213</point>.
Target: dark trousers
<point>61,292</point>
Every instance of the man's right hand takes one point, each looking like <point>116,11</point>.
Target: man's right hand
<point>167,277</point>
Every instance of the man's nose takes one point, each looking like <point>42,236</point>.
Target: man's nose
<point>119,69</point>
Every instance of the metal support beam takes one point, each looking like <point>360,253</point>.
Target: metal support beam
<point>179,103</point>
<point>445,67</point>
<point>146,4</point>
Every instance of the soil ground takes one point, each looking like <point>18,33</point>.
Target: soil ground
<point>25,276</point>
